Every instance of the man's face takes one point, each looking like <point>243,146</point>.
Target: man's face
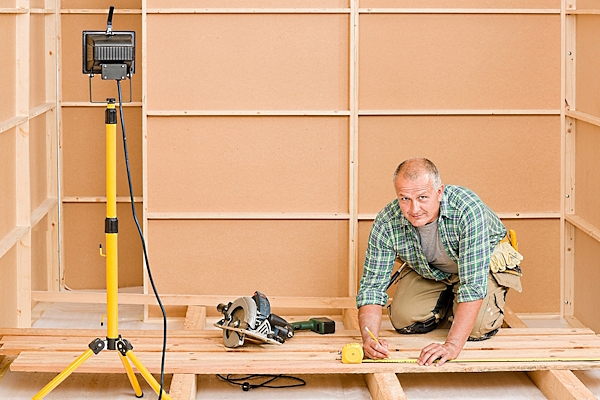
<point>419,201</point>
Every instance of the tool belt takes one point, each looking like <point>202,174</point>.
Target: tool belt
<point>505,265</point>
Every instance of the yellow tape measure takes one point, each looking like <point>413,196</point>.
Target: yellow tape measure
<point>352,353</point>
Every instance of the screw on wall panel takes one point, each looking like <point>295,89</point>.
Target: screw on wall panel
<point>569,53</point>
<point>567,196</point>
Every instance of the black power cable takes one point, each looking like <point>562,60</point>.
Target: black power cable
<point>164,348</point>
<point>243,381</point>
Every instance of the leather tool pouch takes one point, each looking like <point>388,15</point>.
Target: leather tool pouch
<point>508,280</point>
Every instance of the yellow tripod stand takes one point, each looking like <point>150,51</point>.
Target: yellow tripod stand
<point>113,339</point>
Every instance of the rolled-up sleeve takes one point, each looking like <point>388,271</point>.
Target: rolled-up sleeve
<point>379,262</point>
<point>474,259</point>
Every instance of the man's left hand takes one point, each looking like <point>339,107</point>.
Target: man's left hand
<point>440,352</point>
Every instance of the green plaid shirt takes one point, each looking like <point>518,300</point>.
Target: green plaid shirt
<point>469,230</point>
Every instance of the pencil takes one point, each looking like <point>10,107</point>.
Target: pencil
<point>373,336</point>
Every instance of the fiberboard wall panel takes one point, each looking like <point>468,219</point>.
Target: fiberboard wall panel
<point>39,255</point>
<point>7,65</point>
<point>498,157</point>
<point>587,173</point>
<point>587,276</point>
<point>75,85</point>
<point>247,3</point>
<point>83,266</point>
<point>8,205</point>
<point>248,62</point>
<point>37,57</point>
<point>84,151</point>
<point>588,64</point>
<point>248,164</point>
<point>8,285</point>
<point>38,154</point>
<point>278,257</point>
<point>434,61</point>
<point>478,4</point>
<point>538,240</point>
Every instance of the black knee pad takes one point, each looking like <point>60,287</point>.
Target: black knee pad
<point>441,308</point>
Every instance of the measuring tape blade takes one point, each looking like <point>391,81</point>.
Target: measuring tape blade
<point>352,353</point>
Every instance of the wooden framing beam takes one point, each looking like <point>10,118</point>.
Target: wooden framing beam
<point>584,226</point>
<point>581,116</point>
<point>431,112</point>
<point>560,385</point>
<point>188,300</point>
<point>554,384</point>
<point>459,11</point>
<point>501,215</point>
<point>385,386</point>
<point>184,386</point>
<point>242,215</point>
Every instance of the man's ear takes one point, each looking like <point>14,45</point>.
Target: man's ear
<point>440,192</point>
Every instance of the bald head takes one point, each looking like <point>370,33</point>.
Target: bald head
<point>414,168</point>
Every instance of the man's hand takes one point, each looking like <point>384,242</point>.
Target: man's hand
<point>435,351</point>
<point>369,316</point>
<point>464,320</point>
<point>374,350</point>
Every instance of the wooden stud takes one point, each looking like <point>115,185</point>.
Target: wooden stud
<point>242,215</point>
<point>187,300</point>
<point>560,385</point>
<point>145,139</point>
<point>584,226</point>
<point>501,215</point>
<point>350,318</point>
<point>568,90</point>
<point>99,199</point>
<point>460,10</point>
<point>385,386</point>
<point>183,386</point>
<point>511,319</point>
<point>195,318</point>
<point>456,112</point>
<point>353,153</point>
<point>247,113</point>
<point>580,116</point>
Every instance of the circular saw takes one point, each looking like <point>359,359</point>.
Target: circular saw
<point>251,317</point>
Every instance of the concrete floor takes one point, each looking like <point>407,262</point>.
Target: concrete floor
<point>500,385</point>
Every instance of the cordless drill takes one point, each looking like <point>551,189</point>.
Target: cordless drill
<point>320,325</point>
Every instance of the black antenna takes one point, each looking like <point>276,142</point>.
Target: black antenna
<point>109,22</point>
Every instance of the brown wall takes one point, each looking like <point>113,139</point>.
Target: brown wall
<point>259,139</point>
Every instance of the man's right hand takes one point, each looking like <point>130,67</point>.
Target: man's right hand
<point>376,351</point>
<point>369,316</point>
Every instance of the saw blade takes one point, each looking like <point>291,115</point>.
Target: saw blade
<point>232,338</point>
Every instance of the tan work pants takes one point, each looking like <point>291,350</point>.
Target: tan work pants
<point>419,304</point>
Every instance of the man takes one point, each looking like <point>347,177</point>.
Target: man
<point>449,239</point>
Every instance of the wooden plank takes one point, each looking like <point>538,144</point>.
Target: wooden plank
<point>212,343</point>
<point>502,215</point>
<point>11,123</point>
<point>249,215</point>
<point>584,226</point>
<point>384,386</point>
<point>188,300</point>
<point>13,237</point>
<point>211,113</point>
<point>512,320</point>
<point>560,385</point>
<point>285,362</point>
<point>195,318</point>
<point>459,11</point>
<point>99,199</point>
<point>581,116</point>
<point>183,387</point>
<point>458,112</point>
<point>350,318</point>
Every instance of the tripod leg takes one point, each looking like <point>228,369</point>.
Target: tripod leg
<point>132,378</point>
<point>63,375</point>
<point>146,374</point>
